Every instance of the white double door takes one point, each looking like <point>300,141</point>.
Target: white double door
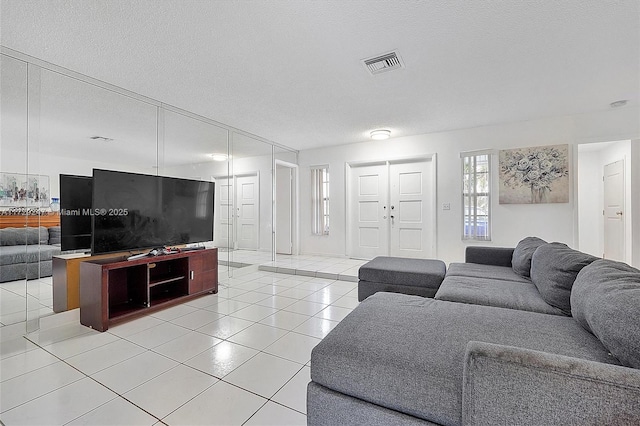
<point>237,212</point>
<point>390,209</point>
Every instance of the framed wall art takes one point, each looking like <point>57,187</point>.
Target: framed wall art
<point>534,175</point>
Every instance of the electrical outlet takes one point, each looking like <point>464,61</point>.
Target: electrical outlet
<point>446,206</point>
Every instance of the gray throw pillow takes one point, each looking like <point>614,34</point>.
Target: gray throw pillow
<point>605,300</point>
<point>554,268</point>
<point>521,259</point>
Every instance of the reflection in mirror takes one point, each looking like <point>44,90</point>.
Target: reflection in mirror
<point>76,124</point>
<point>285,203</point>
<point>13,174</point>
<point>82,127</point>
<point>196,149</point>
<point>248,194</point>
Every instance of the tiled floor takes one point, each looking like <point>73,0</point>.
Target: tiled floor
<point>36,295</point>
<point>238,357</point>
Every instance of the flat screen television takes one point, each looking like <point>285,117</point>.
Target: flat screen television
<point>75,207</point>
<point>134,211</point>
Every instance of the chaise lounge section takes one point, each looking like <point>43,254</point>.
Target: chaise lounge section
<point>401,359</point>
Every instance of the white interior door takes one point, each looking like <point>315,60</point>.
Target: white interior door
<point>223,212</point>
<point>368,211</point>
<point>247,209</point>
<point>284,206</point>
<point>410,190</point>
<point>613,211</point>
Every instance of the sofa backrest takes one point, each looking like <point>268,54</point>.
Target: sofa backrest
<point>605,300</point>
<point>554,268</point>
<point>21,236</point>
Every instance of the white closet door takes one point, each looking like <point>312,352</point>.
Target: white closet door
<point>613,211</point>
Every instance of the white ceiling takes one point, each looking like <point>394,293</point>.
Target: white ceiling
<point>290,71</point>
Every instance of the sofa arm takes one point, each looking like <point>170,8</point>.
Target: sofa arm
<point>509,385</point>
<point>497,256</point>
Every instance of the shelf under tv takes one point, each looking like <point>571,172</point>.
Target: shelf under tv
<point>115,290</point>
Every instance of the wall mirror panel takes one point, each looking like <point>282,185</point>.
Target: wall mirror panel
<point>13,165</point>
<point>75,124</point>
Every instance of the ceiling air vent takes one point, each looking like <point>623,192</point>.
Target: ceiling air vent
<point>383,63</point>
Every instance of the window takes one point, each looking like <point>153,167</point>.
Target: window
<point>320,200</point>
<point>476,199</point>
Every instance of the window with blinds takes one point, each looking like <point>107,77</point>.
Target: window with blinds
<point>476,197</point>
<point>320,200</point>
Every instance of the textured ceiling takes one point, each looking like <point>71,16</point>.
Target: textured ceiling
<point>290,71</point>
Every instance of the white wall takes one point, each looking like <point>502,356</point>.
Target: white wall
<point>552,222</point>
<point>591,195</point>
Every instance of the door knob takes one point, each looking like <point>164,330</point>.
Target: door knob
<point>619,213</point>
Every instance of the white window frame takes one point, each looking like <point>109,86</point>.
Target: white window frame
<point>320,204</point>
<point>471,227</point>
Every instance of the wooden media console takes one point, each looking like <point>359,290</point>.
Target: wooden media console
<point>113,290</point>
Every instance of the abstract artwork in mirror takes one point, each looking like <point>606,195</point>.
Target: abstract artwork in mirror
<point>21,190</point>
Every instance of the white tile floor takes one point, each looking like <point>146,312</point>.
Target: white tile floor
<point>240,357</point>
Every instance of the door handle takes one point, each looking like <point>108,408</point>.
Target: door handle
<point>619,213</point>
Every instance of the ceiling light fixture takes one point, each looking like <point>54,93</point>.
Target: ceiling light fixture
<point>219,157</point>
<point>380,134</point>
<point>618,104</point>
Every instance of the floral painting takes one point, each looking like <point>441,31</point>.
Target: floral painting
<point>534,175</point>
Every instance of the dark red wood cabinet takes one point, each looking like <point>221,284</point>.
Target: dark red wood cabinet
<point>115,289</point>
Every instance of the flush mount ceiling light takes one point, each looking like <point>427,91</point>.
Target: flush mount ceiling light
<point>219,157</point>
<point>618,104</point>
<point>380,134</point>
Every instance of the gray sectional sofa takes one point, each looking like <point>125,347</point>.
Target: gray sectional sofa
<point>540,334</point>
<point>27,252</point>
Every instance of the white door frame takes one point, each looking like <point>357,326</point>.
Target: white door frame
<point>294,206</point>
<point>418,158</point>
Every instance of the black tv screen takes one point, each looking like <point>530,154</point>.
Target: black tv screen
<point>134,211</point>
<point>75,207</point>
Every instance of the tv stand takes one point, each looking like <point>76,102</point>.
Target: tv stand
<point>115,289</point>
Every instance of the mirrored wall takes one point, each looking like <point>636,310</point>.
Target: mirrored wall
<point>56,122</point>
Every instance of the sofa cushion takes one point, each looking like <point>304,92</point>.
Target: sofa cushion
<point>55,235</point>
<point>498,293</point>
<point>34,253</point>
<point>485,271</point>
<point>521,260</point>
<point>605,300</point>
<point>406,353</point>
<point>554,268</point>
